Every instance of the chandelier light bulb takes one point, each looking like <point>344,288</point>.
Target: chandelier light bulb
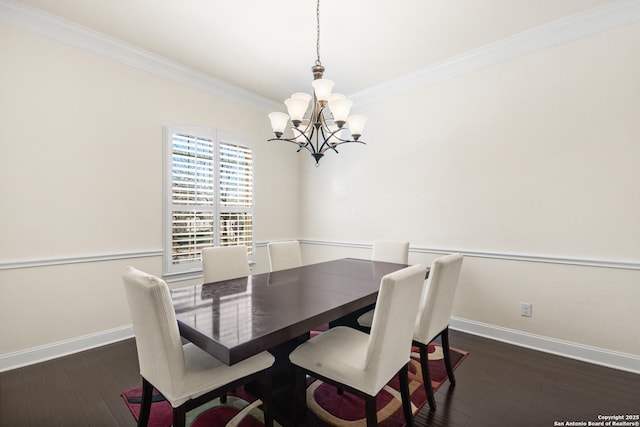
<point>356,125</point>
<point>278,122</point>
<point>322,89</point>
<point>302,95</point>
<point>340,107</point>
<point>335,96</point>
<point>296,108</point>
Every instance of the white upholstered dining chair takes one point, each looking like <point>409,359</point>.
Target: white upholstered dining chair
<point>224,263</point>
<point>396,251</point>
<point>184,374</point>
<point>434,315</point>
<point>362,363</point>
<point>284,255</point>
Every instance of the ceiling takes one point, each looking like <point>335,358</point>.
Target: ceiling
<point>268,47</point>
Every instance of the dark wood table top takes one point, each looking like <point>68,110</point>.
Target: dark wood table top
<point>238,318</point>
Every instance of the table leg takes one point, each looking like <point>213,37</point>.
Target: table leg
<point>283,380</point>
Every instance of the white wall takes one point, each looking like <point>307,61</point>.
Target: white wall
<point>534,157</point>
<point>81,175</point>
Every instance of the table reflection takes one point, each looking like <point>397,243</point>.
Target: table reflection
<point>283,277</point>
<point>231,309</point>
<point>235,313</point>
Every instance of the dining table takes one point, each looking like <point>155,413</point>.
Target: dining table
<point>235,319</point>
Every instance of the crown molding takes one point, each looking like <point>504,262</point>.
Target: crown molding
<point>610,15</point>
<point>36,21</point>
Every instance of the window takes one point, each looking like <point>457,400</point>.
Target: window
<point>208,192</point>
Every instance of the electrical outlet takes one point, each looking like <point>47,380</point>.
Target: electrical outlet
<point>525,309</point>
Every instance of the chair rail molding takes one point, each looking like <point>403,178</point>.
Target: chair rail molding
<point>548,259</point>
<point>44,262</point>
<point>71,259</point>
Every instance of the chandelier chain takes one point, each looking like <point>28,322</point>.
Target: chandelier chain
<point>318,33</point>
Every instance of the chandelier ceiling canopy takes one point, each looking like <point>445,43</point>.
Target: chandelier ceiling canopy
<point>321,121</point>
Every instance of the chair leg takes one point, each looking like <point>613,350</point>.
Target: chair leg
<point>426,376</point>
<point>145,407</point>
<point>179,416</point>
<point>447,355</point>
<point>406,397</point>
<point>267,407</point>
<point>371,410</point>
<point>223,398</point>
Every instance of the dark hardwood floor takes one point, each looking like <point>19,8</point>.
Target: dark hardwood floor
<point>497,385</point>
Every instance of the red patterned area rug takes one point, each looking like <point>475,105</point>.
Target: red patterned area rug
<point>326,406</point>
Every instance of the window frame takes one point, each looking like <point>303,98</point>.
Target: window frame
<point>187,270</point>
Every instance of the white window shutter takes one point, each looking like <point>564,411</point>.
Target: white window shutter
<point>210,193</point>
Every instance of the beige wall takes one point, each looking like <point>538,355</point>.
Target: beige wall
<point>81,175</point>
<point>538,157</point>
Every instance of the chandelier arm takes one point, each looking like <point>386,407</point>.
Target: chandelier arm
<point>333,147</point>
<point>304,134</point>
<point>317,114</point>
<point>325,143</point>
<point>293,141</point>
<point>322,125</point>
<point>306,129</point>
<point>330,147</point>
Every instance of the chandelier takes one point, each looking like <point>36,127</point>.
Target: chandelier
<point>321,126</point>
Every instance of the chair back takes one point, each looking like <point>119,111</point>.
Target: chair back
<point>394,318</point>
<point>158,340</point>
<point>284,255</point>
<point>391,251</point>
<point>436,302</point>
<point>224,263</point>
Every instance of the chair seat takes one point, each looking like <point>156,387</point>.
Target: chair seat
<point>366,319</point>
<point>338,354</point>
<point>204,373</point>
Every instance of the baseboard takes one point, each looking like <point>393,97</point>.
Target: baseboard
<point>598,356</point>
<point>62,348</point>
<point>595,355</point>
